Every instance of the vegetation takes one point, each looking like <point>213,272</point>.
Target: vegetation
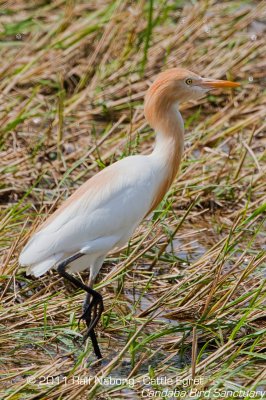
<point>185,300</point>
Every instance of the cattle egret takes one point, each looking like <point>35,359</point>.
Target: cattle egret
<point>104,212</point>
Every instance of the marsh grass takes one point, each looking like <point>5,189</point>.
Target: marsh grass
<point>186,297</point>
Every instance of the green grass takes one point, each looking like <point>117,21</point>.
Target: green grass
<point>186,297</point>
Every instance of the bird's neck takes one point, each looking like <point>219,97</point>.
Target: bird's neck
<point>169,127</point>
<point>169,142</point>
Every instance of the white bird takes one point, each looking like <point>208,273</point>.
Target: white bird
<point>104,212</point>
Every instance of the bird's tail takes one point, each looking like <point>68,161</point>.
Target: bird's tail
<point>41,267</point>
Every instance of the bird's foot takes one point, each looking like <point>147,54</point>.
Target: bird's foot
<point>93,312</point>
<point>85,306</point>
<point>91,316</point>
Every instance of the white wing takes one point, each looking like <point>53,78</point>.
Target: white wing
<point>100,215</point>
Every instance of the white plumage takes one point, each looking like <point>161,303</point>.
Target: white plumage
<point>103,217</point>
<point>103,213</point>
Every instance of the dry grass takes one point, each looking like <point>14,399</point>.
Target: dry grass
<point>186,297</point>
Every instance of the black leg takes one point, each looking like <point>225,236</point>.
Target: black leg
<point>92,307</point>
<point>87,317</point>
<point>87,300</point>
<point>93,311</point>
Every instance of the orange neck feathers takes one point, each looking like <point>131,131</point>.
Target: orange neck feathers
<point>161,112</point>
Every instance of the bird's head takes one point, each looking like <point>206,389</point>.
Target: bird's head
<point>177,85</point>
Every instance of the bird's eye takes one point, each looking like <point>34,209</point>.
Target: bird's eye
<point>189,81</point>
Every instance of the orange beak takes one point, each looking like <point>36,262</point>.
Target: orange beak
<point>216,83</point>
